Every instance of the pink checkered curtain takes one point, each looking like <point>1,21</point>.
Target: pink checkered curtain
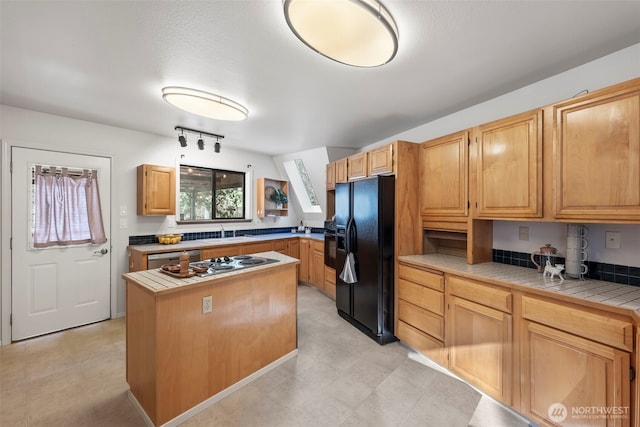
<point>67,209</point>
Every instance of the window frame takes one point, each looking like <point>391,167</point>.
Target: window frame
<point>245,188</point>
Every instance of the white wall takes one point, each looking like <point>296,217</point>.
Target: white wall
<point>505,236</point>
<point>606,71</point>
<point>315,161</point>
<point>128,150</point>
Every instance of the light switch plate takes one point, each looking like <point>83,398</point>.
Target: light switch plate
<point>123,210</point>
<point>123,222</point>
<point>612,240</point>
<point>523,233</point>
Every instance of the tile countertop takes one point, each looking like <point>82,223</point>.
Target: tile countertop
<point>207,243</point>
<point>596,291</point>
<point>158,282</point>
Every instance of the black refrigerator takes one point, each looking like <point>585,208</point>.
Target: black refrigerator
<point>364,225</point>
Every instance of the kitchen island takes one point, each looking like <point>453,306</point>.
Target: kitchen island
<point>181,359</point>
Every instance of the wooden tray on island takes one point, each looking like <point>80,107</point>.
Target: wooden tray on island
<point>174,270</point>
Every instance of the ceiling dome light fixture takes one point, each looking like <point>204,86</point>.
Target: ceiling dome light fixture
<point>361,33</point>
<point>204,104</point>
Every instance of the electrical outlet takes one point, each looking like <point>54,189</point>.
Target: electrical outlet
<point>523,233</point>
<point>612,240</point>
<point>207,304</point>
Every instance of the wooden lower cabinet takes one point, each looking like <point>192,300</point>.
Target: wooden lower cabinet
<point>480,346</point>
<point>532,352</point>
<point>253,248</point>
<point>206,254</point>
<point>330,282</point>
<point>317,264</point>
<point>312,262</point>
<point>420,311</point>
<point>580,374</point>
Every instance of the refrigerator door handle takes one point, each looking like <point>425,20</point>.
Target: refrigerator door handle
<point>347,237</point>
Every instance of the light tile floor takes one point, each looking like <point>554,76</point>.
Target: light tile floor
<point>339,378</point>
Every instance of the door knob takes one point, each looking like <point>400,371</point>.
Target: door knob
<point>101,252</point>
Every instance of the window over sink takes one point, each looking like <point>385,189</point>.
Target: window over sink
<point>211,194</point>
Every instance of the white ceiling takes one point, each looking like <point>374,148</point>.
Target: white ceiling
<point>106,62</point>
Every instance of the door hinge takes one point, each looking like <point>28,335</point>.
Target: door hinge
<point>11,166</point>
<point>632,374</point>
<point>468,141</point>
<point>468,204</point>
<point>10,243</point>
<point>11,319</point>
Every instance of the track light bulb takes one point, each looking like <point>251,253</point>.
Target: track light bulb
<point>200,144</point>
<point>182,140</point>
<point>216,147</point>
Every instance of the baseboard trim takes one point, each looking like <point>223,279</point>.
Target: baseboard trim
<point>213,399</point>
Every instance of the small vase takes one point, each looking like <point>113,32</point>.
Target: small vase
<point>278,205</point>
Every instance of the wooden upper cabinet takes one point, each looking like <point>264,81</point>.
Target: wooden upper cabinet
<point>156,190</point>
<point>509,167</point>
<point>357,166</point>
<point>331,176</point>
<point>381,160</point>
<point>341,171</point>
<point>597,155</point>
<point>444,176</point>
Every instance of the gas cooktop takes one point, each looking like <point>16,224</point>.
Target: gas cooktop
<point>225,264</point>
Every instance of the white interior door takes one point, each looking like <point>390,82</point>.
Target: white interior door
<point>59,287</point>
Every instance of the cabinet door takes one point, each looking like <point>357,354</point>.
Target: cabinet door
<point>293,248</point>
<point>206,254</point>
<point>357,166</point>
<point>280,246</point>
<point>480,346</point>
<point>381,160</point>
<point>331,176</point>
<point>305,260</point>
<point>330,282</point>
<point>341,171</point>
<point>443,176</point>
<point>254,248</point>
<point>510,167</point>
<point>317,264</point>
<point>562,369</point>
<point>156,190</point>
<point>597,156</point>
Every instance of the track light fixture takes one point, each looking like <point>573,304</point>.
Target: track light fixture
<point>183,140</point>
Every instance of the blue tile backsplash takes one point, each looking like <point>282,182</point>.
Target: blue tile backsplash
<point>597,270</point>
<point>151,238</point>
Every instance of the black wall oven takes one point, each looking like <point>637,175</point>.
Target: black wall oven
<point>330,244</point>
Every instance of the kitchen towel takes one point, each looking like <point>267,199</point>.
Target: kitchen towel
<point>348,274</point>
